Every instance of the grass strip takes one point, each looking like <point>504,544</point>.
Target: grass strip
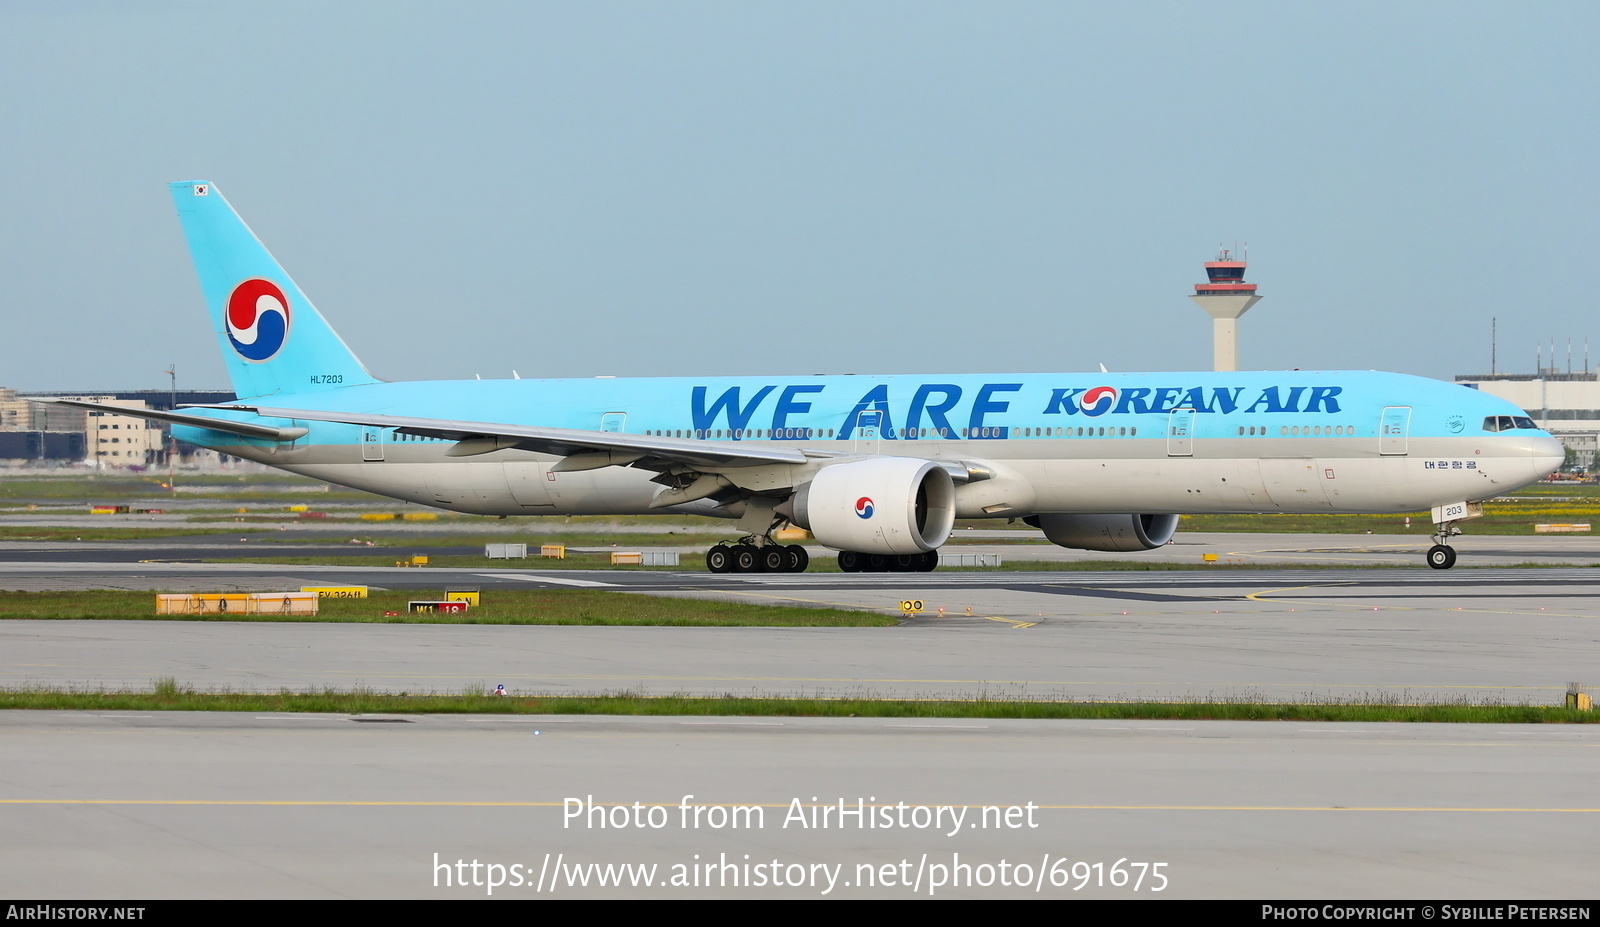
<point>500,606</point>
<point>167,695</point>
<point>40,533</point>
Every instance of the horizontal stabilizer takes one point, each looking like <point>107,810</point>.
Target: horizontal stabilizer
<point>247,429</point>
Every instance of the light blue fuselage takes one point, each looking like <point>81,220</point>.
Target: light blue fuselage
<point>1179,443</point>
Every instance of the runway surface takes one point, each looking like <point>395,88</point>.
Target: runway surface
<point>1011,544</point>
<point>1515,635</point>
<point>1510,636</point>
<point>222,806</point>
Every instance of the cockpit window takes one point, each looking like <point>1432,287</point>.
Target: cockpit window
<point>1507,422</point>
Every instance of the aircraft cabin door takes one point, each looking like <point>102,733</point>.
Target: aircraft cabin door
<point>1393,430</point>
<point>614,422</point>
<point>869,423</point>
<point>371,443</point>
<point>1180,433</point>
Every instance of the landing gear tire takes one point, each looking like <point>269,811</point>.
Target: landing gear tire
<point>930,562</point>
<point>772,559</point>
<point>796,558</point>
<point>746,559</point>
<point>719,559</point>
<point>1441,556</point>
<point>850,562</point>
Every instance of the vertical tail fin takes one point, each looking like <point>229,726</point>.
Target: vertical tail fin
<point>273,340</point>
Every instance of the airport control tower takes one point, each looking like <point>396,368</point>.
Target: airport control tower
<point>1225,296</point>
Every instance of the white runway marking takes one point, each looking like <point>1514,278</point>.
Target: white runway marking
<point>544,579</point>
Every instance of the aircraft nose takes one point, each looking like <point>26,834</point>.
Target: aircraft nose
<point>1548,455</point>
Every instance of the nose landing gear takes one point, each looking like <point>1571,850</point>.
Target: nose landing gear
<point>1446,519</point>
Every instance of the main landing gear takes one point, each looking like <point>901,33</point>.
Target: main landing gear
<point>764,555</point>
<point>757,555</point>
<point>852,562</point>
<point>1441,556</point>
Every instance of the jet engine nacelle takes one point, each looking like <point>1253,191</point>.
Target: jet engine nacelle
<point>1106,532</point>
<point>883,505</point>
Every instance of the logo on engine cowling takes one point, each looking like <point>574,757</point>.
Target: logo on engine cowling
<point>863,507</point>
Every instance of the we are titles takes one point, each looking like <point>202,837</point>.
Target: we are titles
<point>840,814</point>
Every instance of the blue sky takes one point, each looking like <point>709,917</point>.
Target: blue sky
<point>694,188</point>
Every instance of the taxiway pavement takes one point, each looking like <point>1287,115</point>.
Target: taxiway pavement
<point>1481,635</point>
<point>161,805</point>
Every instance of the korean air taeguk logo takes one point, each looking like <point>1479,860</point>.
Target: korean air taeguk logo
<point>863,507</point>
<point>257,319</point>
<point>1098,401</point>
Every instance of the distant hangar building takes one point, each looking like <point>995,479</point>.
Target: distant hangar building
<point>33,433</point>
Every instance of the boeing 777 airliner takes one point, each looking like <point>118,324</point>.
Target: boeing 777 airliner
<point>875,467</point>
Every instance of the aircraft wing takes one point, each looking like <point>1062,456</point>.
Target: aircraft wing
<point>582,450</point>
